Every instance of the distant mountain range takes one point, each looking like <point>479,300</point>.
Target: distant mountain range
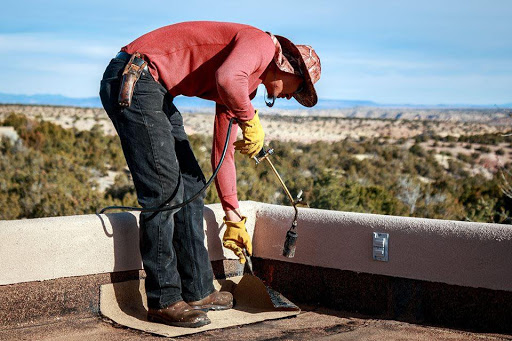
<point>180,101</point>
<point>183,102</point>
<point>50,100</point>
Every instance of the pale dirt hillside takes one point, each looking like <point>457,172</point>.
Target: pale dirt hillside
<point>326,126</point>
<point>397,126</point>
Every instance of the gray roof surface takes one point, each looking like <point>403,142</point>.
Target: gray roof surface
<point>312,324</point>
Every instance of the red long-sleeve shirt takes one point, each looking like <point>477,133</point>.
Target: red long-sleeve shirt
<point>222,62</point>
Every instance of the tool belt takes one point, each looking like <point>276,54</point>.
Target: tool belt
<point>131,74</point>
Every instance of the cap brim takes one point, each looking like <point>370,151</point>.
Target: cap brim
<point>307,97</point>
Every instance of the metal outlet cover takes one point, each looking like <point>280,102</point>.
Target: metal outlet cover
<point>380,246</point>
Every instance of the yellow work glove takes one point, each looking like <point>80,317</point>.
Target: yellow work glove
<point>236,238</point>
<point>253,137</point>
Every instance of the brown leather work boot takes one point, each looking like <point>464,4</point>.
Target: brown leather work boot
<point>218,300</point>
<point>179,314</point>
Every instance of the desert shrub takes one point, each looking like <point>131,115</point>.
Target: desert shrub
<point>483,149</point>
<point>417,150</point>
<point>450,138</point>
<point>456,168</point>
<point>328,191</point>
<point>421,138</point>
<point>465,158</point>
<point>122,189</point>
<point>489,139</point>
<point>52,171</point>
<point>39,185</point>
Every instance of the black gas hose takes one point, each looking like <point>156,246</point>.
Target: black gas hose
<point>186,202</point>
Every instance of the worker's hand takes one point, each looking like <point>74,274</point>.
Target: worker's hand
<point>236,238</point>
<point>253,137</point>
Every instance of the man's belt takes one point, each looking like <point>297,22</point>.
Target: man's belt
<point>126,57</point>
<point>131,74</point>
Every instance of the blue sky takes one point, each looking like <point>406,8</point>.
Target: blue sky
<point>418,52</point>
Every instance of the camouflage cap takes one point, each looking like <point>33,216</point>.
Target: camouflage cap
<point>300,60</point>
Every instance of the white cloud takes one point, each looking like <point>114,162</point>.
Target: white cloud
<point>423,89</point>
<point>65,78</point>
<point>411,77</point>
<point>417,64</point>
<point>48,44</point>
<point>45,63</point>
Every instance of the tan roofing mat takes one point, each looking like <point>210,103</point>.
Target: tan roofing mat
<point>125,303</point>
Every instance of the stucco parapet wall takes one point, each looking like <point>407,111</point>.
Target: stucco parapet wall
<point>50,248</point>
<point>459,253</point>
<point>453,252</point>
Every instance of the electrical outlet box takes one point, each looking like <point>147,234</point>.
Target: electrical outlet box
<point>380,246</point>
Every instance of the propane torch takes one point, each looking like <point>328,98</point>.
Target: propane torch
<point>291,235</point>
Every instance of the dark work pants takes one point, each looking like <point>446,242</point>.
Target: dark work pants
<point>165,172</point>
